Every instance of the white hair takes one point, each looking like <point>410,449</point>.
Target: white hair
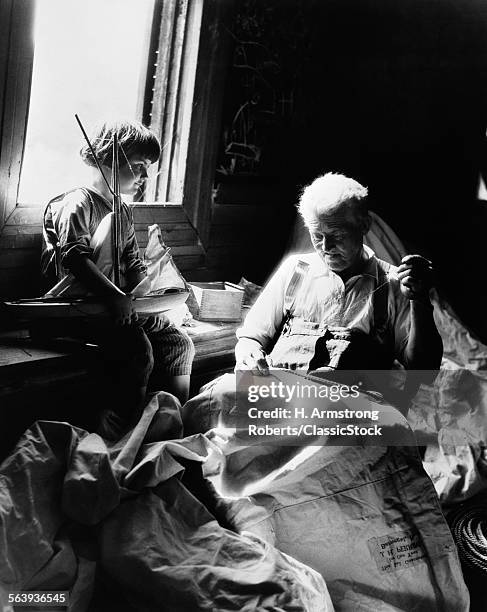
<point>329,194</point>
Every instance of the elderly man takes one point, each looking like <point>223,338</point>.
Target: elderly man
<point>333,501</point>
<point>341,307</point>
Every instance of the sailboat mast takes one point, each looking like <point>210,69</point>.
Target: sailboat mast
<point>116,202</point>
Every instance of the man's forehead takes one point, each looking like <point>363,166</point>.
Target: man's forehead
<point>332,221</point>
<point>344,211</point>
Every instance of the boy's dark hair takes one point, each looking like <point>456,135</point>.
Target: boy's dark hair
<point>133,138</point>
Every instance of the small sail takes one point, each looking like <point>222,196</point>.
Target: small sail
<point>162,273</point>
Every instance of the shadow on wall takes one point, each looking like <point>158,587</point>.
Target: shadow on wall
<point>393,94</point>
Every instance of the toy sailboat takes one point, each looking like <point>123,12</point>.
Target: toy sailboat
<point>163,289</point>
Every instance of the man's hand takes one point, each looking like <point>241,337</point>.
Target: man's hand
<point>122,309</point>
<point>424,348</point>
<point>251,358</point>
<point>416,276</point>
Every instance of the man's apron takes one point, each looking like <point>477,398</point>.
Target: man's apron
<point>309,345</point>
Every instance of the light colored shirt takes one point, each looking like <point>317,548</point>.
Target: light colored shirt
<point>325,299</point>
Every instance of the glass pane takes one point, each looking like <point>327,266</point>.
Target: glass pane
<point>89,57</point>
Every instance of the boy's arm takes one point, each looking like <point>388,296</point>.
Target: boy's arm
<point>119,304</point>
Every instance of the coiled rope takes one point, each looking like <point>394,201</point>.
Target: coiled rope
<point>469,528</point>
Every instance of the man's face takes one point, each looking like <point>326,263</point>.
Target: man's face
<point>338,241</point>
<point>133,174</point>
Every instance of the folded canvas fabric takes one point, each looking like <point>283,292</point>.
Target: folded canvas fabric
<point>138,523</point>
<point>366,517</point>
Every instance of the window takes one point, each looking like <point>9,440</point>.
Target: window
<point>89,59</point>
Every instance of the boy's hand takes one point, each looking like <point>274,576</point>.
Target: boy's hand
<point>122,309</point>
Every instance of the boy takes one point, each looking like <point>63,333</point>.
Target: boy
<point>142,352</point>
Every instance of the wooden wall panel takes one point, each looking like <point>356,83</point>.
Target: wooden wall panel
<point>25,216</point>
<point>21,240</point>
<point>173,234</point>
<point>16,258</point>
<point>20,245</point>
<point>20,248</point>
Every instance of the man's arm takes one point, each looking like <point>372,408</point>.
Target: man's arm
<point>262,322</point>
<point>424,347</point>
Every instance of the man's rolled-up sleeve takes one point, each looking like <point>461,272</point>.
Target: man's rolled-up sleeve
<point>266,315</point>
<point>401,322</point>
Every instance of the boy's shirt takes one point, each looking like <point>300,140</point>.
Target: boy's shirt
<point>70,221</point>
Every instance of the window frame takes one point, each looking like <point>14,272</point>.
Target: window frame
<point>16,61</point>
<point>188,93</point>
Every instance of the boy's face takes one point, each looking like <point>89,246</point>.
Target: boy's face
<point>133,174</point>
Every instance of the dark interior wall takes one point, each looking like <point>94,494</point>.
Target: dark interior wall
<point>403,103</point>
<point>392,93</point>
